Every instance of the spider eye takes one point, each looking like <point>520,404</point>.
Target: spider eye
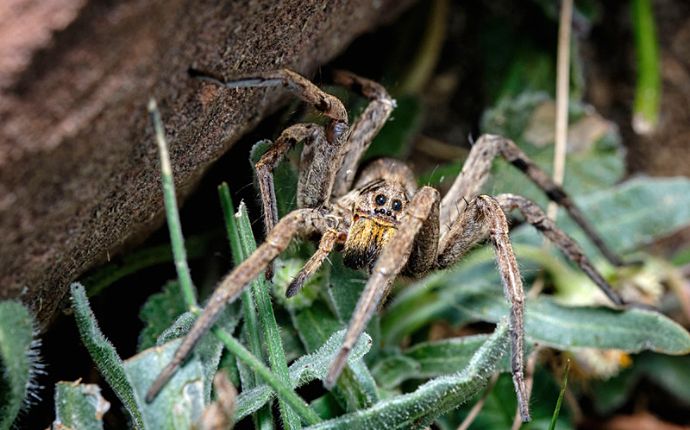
<point>397,205</point>
<point>381,200</point>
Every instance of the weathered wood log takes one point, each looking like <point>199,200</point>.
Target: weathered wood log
<point>79,173</point>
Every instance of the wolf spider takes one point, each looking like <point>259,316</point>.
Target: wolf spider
<point>381,220</point>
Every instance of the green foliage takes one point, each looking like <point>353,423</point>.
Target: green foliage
<point>431,359</point>
<point>304,370</point>
<point>419,408</point>
<point>181,402</point>
<point>159,312</point>
<point>104,355</point>
<point>79,406</point>
<point>18,361</point>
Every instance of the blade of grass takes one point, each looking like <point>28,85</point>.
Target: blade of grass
<point>262,419</point>
<point>559,402</point>
<point>176,239</point>
<point>274,345</point>
<point>648,87</point>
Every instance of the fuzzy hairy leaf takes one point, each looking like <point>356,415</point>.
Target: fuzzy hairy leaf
<point>550,324</point>
<point>430,359</point>
<point>181,402</point>
<point>104,355</point>
<point>419,408</point>
<point>306,369</point>
<point>355,388</point>
<point>17,360</point>
<point>79,406</point>
<point>634,213</point>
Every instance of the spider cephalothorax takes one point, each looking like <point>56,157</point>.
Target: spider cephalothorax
<point>387,224</point>
<point>380,196</point>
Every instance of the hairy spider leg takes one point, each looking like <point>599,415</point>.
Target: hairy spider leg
<point>297,84</point>
<point>364,129</point>
<point>389,264</point>
<point>535,215</point>
<point>300,223</point>
<point>273,156</point>
<point>484,217</point>
<point>326,244</point>
<point>477,168</point>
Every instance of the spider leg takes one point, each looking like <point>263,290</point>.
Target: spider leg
<point>301,222</point>
<point>483,217</point>
<point>535,215</point>
<point>389,264</point>
<point>297,84</point>
<point>326,244</point>
<point>364,129</point>
<point>270,160</point>
<point>476,170</point>
<point>320,160</point>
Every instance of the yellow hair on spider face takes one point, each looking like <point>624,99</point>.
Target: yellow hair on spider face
<point>366,238</point>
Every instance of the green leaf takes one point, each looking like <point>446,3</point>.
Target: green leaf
<point>438,396</point>
<point>159,312</point>
<point>306,369</point>
<point>181,402</point>
<point>637,212</point>
<point>355,388</point>
<point>431,359</point>
<point>104,355</point>
<point>560,327</point>
<point>499,409</point>
<point>18,360</point>
<point>79,406</point>
<point>628,216</point>
<point>210,348</point>
<point>346,285</point>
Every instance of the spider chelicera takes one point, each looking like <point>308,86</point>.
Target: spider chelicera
<point>381,220</point>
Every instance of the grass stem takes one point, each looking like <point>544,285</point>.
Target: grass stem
<point>648,86</point>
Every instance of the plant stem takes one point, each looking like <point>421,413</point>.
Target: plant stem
<point>648,87</point>
<point>562,98</point>
<point>284,392</point>
<point>179,253</point>
<point>269,326</point>
<point>559,402</point>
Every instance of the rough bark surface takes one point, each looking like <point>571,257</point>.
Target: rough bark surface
<point>78,166</point>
